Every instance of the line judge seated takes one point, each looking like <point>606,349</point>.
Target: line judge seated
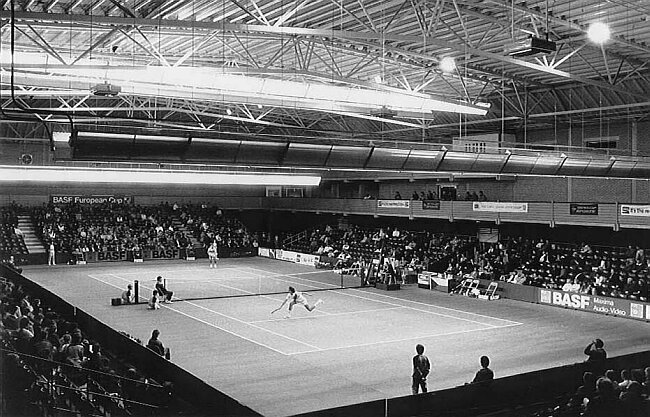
<point>162,291</point>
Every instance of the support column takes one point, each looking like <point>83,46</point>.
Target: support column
<point>634,148</point>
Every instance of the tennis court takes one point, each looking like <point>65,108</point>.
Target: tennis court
<point>356,346</point>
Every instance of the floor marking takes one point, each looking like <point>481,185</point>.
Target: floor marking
<point>400,340</point>
<point>236,320</point>
<point>410,301</point>
<point>330,314</point>
<point>196,318</point>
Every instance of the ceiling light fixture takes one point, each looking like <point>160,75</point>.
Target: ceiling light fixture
<point>598,32</point>
<point>447,65</point>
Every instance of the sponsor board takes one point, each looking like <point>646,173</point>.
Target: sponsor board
<point>263,252</point>
<point>123,255</point>
<point>393,204</point>
<point>596,304</point>
<point>583,209</point>
<point>635,210</point>
<point>287,255</point>
<point>498,207</point>
<point>91,199</point>
<point>430,204</point>
<point>305,259</point>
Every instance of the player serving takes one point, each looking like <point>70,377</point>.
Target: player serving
<point>294,297</point>
<point>213,254</point>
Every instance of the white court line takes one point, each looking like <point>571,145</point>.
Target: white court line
<point>347,313</point>
<point>236,320</point>
<point>396,305</point>
<point>408,301</point>
<point>255,294</point>
<point>401,340</point>
<point>196,318</point>
<point>170,270</point>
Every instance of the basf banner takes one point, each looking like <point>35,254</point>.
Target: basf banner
<point>595,304</point>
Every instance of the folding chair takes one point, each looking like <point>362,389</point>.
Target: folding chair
<point>463,287</point>
<point>491,292</point>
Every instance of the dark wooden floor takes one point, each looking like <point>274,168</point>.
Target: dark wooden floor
<point>356,347</point>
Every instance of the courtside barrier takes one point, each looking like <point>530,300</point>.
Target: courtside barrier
<point>508,392</point>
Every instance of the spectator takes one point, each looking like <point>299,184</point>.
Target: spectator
<point>156,345</point>
<point>484,375</point>
<point>415,196</point>
<point>625,380</point>
<point>397,196</point>
<point>632,401</point>
<point>421,368</point>
<point>481,196</point>
<point>605,403</point>
<point>595,352</point>
<point>127,295</point>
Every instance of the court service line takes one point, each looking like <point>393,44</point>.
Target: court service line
<point>401,340</point>
<point>411,301</point>
<point>196,318</point>
<point>332,314</point>
<point>396,305</point>
<point>235,319</point>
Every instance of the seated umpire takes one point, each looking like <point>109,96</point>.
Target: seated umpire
<point>162,291</point>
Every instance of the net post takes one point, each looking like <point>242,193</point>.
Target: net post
<point>136,291</point>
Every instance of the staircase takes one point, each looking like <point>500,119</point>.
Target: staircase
<point>33,243</point>
<point>178,225</point>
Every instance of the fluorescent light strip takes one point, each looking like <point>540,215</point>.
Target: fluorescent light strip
<point>131,176</point>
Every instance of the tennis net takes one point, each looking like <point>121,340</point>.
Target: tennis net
<point>232,284</point>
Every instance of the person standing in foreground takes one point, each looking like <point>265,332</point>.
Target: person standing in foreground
<point>213,254</point>
<point>421,368</point>
<point>294,297</point>
<point>595,351</point>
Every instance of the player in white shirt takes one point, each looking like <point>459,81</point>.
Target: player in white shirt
<point>294,297</point>
<point>213,254</point>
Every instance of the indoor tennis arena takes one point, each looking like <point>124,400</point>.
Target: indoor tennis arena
<point>325,208</point>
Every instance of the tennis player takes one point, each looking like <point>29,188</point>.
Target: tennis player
<point>294,297</point>
<point>213,254</point>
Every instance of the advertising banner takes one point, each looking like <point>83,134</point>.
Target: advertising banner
<point>162,254</point>
<point>124,255</point>
<point>596,304</point>
<point>583,209</point>
<point>393,204</point>
<point>91,199</point>
<point>305,259</point>
<point>635,210</point>
<point>287,255</point>
<point>498,207</point>
<point>430,204</point>
<point>263,252</point>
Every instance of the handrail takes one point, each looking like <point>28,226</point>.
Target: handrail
<point>77,368</point>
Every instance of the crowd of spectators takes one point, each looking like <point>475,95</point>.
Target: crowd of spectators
<point>605,393</point>
<point>606,271</point>
<point>78,228</point>
<point>406,251</point>
<point>41,349</point>
<point>210,224</point>
<point>432,195</point>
